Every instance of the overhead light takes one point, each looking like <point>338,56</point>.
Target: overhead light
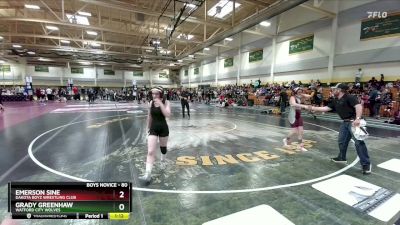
<point>228,39</point>
<point>148,50</point>
<point>2,62</point>
<point>85,63</point>
<point>17,46</point>
<point>31,53</point>
<point>1,37</point>
<point>168,28</point>
<point>165,52</point>
<point>65,41</point>
<point>44,59</point>
<point>31,6</point>
<point>52,28</point>
<point>94,44</point>
<point>84,13</point>
<point>180,60</point>
<point>265,23</point>
<point>222,8</point>
<point>184,36</point>
<point>191,56</point>
<point>94,33</point>
<point>83,20</point>
<point>191,6</point>
<point>171,64</point>
<point>64,49</point>
<point>207,49</point>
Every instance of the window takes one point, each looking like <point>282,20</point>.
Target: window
<point>222,8</point>
<point>83,20</point>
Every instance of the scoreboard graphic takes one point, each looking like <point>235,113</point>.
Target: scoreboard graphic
<point>70,200</point>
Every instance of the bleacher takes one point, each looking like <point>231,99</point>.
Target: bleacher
<point>260,100</point>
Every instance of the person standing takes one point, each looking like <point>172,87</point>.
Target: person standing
<point>185,103</point>
<point>283,100</point>
<point>381,82</point>
<point>158,130</point>
<point>49,93</point>
<point>1,100</point>
<point>350,111</point>
<point>316,98</point>
<point>359,74</point>
<point>42,92</point>
<point>91,95</point>
<point>295,119</point>
<point>374,101</point>
<point>134,94</point>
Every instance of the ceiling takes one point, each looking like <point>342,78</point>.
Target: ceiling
<point>117,32</point>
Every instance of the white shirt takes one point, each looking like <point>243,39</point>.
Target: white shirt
<point>359,74</point>
<point>49,91</point>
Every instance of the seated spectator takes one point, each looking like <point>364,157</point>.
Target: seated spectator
<point>397,84</point>
<point>372,83</point>
<point>387,102</point>
<point>396,118</point>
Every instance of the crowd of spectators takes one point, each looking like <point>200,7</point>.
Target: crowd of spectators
<point>374,94</point>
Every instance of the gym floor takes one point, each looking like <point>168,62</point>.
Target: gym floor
<point>221,161</point>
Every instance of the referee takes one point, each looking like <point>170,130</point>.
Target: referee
<point>350,110</point>
<point>185,102</point>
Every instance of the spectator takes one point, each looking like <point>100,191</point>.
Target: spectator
<point>283,99</point>
<point>49,93</point>
<point>397,84</point>
<point>359,74</point>
<point>1,100</point>
<point>75,91</point>
<point>396,118</point>
<point>372,83</point>
<point>375,100</point>
<point>382,82</point>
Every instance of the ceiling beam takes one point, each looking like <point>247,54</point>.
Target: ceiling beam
<point>93,51</point>
<point>257,33</point>
<point>257,2</point>
<point>96,15</point>
<point>134,9</point>
<point>222,45</point>
<point>55,14</point>
<point>275,9</point>
<point>93,27</point>
<point>319,10</point>
<point>74,40</point>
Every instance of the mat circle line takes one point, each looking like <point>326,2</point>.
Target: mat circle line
<point>37,162</point>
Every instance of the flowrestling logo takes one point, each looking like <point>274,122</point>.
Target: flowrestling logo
<point>377,14</point>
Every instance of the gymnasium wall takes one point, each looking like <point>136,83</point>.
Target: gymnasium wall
<point>375,56</point>
<point>91,77</point>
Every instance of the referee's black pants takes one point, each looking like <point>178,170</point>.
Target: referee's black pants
<point>185,104</point>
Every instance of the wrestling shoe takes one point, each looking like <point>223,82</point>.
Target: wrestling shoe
<point>338,160</point>
<point>367,169</point>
